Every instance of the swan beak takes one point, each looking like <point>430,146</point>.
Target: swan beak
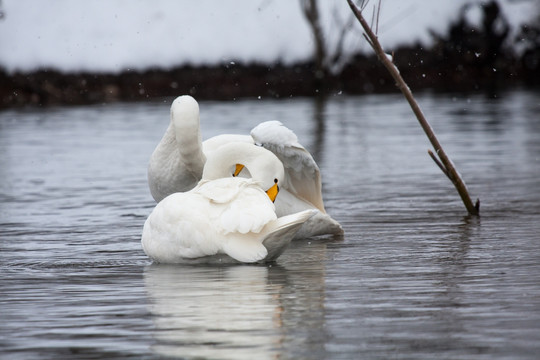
<point>237,169</point>
<point>273,191</point>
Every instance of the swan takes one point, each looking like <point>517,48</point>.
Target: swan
<point>234,216</point>
<point>177,163</point>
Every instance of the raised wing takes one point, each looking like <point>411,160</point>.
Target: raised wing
<point>302,175</point>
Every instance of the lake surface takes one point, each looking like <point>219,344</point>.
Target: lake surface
<point>413,277</point>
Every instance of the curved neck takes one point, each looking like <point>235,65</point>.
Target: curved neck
<point>261,163</point>
<point>187,134</point>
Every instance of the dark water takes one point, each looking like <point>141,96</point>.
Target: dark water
<point>413,277</point>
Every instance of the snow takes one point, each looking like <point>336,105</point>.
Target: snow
<point>114,35</point>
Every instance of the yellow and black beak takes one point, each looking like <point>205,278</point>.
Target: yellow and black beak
<point>237,169</point>
<point>273,191</point>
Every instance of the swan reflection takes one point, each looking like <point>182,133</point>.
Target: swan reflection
<point>238,311</point>
<point>204,311</point>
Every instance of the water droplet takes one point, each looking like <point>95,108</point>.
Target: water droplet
<point>423,75</point>
<point>477,54</point>
<point>259,97</point>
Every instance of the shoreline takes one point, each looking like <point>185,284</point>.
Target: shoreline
<point>438,69</point>
<point>467,58</point>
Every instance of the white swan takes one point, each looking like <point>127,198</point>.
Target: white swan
<point>177,162</point>
<point>224,214</point>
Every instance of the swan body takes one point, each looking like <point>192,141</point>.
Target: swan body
<point>232,216</point>
<point>177,162</point>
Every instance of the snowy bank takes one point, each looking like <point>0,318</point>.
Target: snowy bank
<point>115,35</point>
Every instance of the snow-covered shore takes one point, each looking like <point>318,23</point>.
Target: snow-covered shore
<point>115,35</point>
<point>74,52</point>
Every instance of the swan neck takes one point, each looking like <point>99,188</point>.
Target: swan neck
<point>220,165</point>
<point>188,139</point>
<point>261,163</point>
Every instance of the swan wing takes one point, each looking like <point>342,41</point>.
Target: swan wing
<point>239,205</point>
<point>177,229</point>
<point>270,244</point>
<point>302,175</point>
<point>245,249</point>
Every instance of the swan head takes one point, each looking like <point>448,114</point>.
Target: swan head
<point>185,114</point>
<point>263,166</point>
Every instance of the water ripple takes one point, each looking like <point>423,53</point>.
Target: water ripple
<point>413,277</point>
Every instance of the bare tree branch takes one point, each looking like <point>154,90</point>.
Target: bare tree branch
<point>368,40</point>
<point>378,16</point>
<point>344,29</point>
<point>311,13</point>
<point>445,163</point>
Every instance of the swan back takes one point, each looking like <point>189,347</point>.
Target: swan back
<point>262,164</point>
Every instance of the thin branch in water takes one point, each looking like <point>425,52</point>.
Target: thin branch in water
<point>447,165</point>
<point>439,164</point>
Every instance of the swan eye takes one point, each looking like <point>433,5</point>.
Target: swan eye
<point>275,181</point>
<point>259,144</point>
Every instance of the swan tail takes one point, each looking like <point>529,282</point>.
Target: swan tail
<point>278,234</point>
<point>319,224</point>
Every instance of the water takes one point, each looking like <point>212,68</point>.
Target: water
<point>413,277</point>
